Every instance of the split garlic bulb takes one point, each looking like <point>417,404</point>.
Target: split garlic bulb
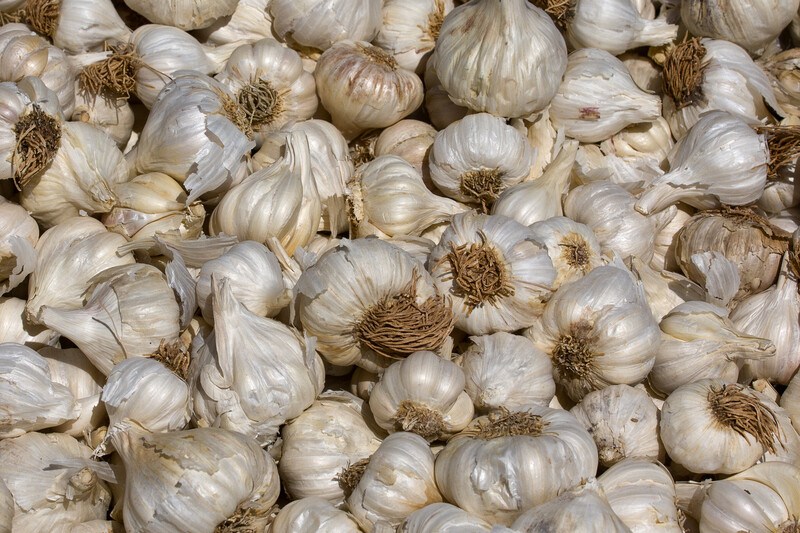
<point>181,14</point>
<point>194,480</point>
<point>20,234</point>
<point>598,331</point>
<point>721,160</point>
<point>15,328</point>
<point>443,518</point>
<point>476,158</point>
<point>312,515</point>
<point>77,26</point>
<point>422,394</point>
<point>506,463</point>
<point>649,140</point>
<point>507,75</point>
<point>409,30</point>
<point>572,247</point>
<point>506,371</point>
<point>363,87</point>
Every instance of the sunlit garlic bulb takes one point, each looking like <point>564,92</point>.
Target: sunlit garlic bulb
<point>409,30</point>
<point>76,26</point>
<point>572,247</point>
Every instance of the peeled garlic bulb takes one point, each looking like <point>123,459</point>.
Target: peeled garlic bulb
<point>183,15</point>
<point>17,253</point>
<point>508,75</point>
<point>14,327</point>
<point>77,26</point>
<point>572,247</point>
<point>313,515</point>
<point>442,518</point>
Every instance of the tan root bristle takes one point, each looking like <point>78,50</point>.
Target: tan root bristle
<point>575,251</point>
<point>790,526</point>
<point>362,149</point>
<point>745,414</point>
<point>38,139</point>
<point>114,76</point>
<point>349,477</point>
<point>505,424</point>
<point>398,325</point>
<point>11,17</point>
<point>419,419</point>
<point>261,103</point>
<point>173,355</point>
<point>42,16</point>
<point>484,185</point>
<point>235,113</point>
<point>430,31</point>
<point>244,519</point>
<point>379,56</point>
<point>784,147</point>
<point>684,68</point>
<point>574,352</point>
<point>561,11</point>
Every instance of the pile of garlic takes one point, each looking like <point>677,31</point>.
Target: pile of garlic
<point>410,266</point>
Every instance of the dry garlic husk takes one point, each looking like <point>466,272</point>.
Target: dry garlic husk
<point>506,371</point>
<point>495,270</point>
<point>76,26</point>
<point>642,493</point>
<point>194,134</point>
<point>713,426</point>
<point>55,483</point>
<point>750,26</point>
<point>765,497</point>
<point>250,22</point>
<point>15,328</point>
<point>19,234</point>
<point>422,394</point>
<point>68,256</point>
<point>585,504</point>
<point>478,157</point>
<point>623,422</point>
<point>665,241</point>
<point>721,160</point>
<point>254,276</point>
<point>783,75</point>
<point>539,199</point>
<point>99,526</point>
<point>790,401</point>
<point>598,331</point>
<point>442,111</point>
<point>773,314</point>
<point>700,342</point>
<point>572,247</point>
<point>746,239</point>
<point>541,134</point>
<point>508,75</point>
<point>373,324</point>
<point>508,462</point>
<point>325,439</point>
<point>319,24</point>
<point>313,515</point>
<point>270,86</point>
<point>31,399</point>
<point>614,26</point>
<point>593,164</point>
<point>409,30</point>
<point>409,139</point>
<point>388,193</point>
<point>184,15</point>
<point>277,201</point>
<point>6,508</point>
<point>711,74</point>
<point>128,311</point>
<point>194,480</point>
<point>363,87</point>
<point>397,480</point>
<point>255,373</point>
<point>443,518</point>
<point>664,289</point>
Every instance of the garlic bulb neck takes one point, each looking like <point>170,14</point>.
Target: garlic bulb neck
<point>479,273</point>
<point>745,413</point>
<point>784,148</point>
<point>426,422</point>
<point>505,424</point>
<point>42,16</point>
<point>683,72</point>
<point>38,140</point>
<point>350,475</point>
<point>114,76</point>
<point>485,184</point>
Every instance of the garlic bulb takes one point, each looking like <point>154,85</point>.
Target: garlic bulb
<point>476,158</point>
<point>183,15</point>
<point>409,30</point>
<point>442,518</point>
<point>650,140</point>
<point>397,313</point>
<point>312,515</point>
<point>782,141</point>
<point>738,22</point>
<point>114,116</point>
<point>129,310</point>
<point>422,394</point>
<point>442,111</point>
<point>782,72</point>
<point>388,194</point>
<point>77,26</point>
<point>68,256</point>
<point>665,241</point>
<point>507,75</point>
<point>598,98</point>
<point>598,331</point>
<point>17,253</point>
<point>317,445</point>
<point>321,23</point>
<point>55,483</point>
<point>721,160</point>
<point>711,426</point>
<point>409,139</point>
<point>30,398</point>
<point>711,74</point>
<point>397,480</point>
<point>489,469</point>
<point>15,328</point>
<point>623,422</point>
<point>363,87</point>
<point>194,480</point>
<point>250,22</point>
<point>572,247</point>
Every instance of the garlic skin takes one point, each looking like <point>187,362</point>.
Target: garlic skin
<point>572,247</point>
<point>15,328</point>
<point>422,394</point>
<point>489,469</point>
<point>409,139</point>
<point>646,140</point>
<point>78,26</point>
<point>615,26</point>
<point>664,290</point>
<point>782,73</point>
<point>623,422</point>
<point>250,22</point>
<point>409,30</point>
<point>20,233</point>
<point>224,472</point>
<point>397,481</point>
<point>790,401</point>
<point>363,87</point>
<point>506,371</point>
<point>71,368</point>
<point>507,76</point>
<point>442,518</point>
<point>442,111</point>
<point>598,98</point>
<point>474,159</point>
<point>114,116</point>
<point>320,24</point>
<point>181,14</point>
<point>721,160</point>
<point>312,515</point>
<point>665,241</point>
<point>752,29</point>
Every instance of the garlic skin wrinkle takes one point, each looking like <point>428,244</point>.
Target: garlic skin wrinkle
<point>71,368</point>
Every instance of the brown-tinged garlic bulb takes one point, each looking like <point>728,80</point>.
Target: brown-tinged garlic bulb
<point>409,139</point>
<point>783,141</point>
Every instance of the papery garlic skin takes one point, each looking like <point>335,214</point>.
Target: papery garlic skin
<point>181,14</point>
<point>442,111</point>
<point>312,515</point>
<point>20,234</point>
<point>790,401</point>
<point>442,518</point>
<point>508,76</point>
<point>665,241</point>
<point>14,327</point>
<point>114,116</point>
<point>664,289</point>
<point>409,139</point>
<point>71,368</point>
<point>80,25</point>
<point>250,22</point>
<point>409,30</point>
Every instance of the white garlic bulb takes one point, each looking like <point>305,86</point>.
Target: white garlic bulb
<point>77,26</point>
<point>312,515</point>
<point>183,15</point>
<point>572,247</point>
<point>508,75</point>
<point>506,371</point>
<point>488,469</point>
<point>14,327</point>
<point>114,116</point>
<point>721,160</point>
<point>17,253</point>
<point>363,87</point>
<point>598,97</point>
<point>409,30</point>
<point>476,158</point>
<point>250,22</point>
<point>442,111</point>
<point>790,401</point>
<point>422,394</point>
<point>409,139</point>
<point>442,518</point>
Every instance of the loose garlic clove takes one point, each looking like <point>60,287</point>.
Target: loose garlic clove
<point>443,518</point>
<point>409,30</point>
<point>312,515</point>
<point>20,233</point>
<point>15,328</point>
<point>77,26</point>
